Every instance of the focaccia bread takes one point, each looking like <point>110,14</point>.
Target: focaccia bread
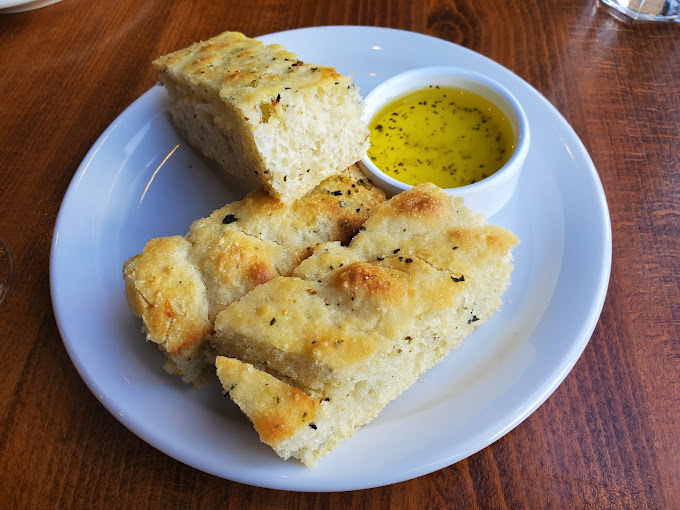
<point>263,114</point>
<point>177,285</point>
<point>355,326</point>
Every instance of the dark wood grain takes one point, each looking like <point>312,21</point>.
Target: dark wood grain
<point>609,437</point>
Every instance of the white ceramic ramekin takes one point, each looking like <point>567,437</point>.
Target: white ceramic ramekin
<point>489,195</point>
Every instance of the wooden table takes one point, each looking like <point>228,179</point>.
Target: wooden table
<point>609,437</point>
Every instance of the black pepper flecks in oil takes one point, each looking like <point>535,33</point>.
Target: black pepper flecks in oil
<point>448,136</point>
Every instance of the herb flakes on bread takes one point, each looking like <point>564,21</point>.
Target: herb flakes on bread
<point>355,326</point>
<point>178,285</point>
<point>263,114</point>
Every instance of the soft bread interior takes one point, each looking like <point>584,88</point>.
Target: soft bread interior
<point>263,114</point>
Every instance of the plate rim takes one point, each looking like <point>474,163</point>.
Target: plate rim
<point>17,6</point>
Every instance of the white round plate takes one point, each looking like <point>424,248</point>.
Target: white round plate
<point>12,6</point>
<point>141,180</point>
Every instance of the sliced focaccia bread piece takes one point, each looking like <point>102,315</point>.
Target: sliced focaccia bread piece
<point>178,285</point>
<point>263,114</point>
<point>355,326</point>
<point>295,423</point>
<point>278,410</point>
<point>167,291</point>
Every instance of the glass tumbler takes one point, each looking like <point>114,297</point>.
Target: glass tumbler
<point>647,10</point>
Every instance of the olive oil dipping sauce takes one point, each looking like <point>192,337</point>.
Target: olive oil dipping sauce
<point>449,136</point>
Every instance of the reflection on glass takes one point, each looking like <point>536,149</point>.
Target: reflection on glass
<point>647,10</point>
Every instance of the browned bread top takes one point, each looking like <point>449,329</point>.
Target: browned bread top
<point>178,285</point>
<point>417,254</point>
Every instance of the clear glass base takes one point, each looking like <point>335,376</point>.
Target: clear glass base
<point>5,270</point>
<point>647,10</point>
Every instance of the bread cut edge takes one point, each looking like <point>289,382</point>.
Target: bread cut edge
<point>262,114</point>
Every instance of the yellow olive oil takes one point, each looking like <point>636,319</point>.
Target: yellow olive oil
<point>448,136</point>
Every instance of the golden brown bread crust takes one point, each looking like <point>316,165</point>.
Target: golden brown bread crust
<point>420,203</point>
<point>167,291</point>
<point>354,326</point>
<point>276,409</point>
<point>360,280</point>
<point>408,259</point>
<point>246,71</point>
<point>178,285</point>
